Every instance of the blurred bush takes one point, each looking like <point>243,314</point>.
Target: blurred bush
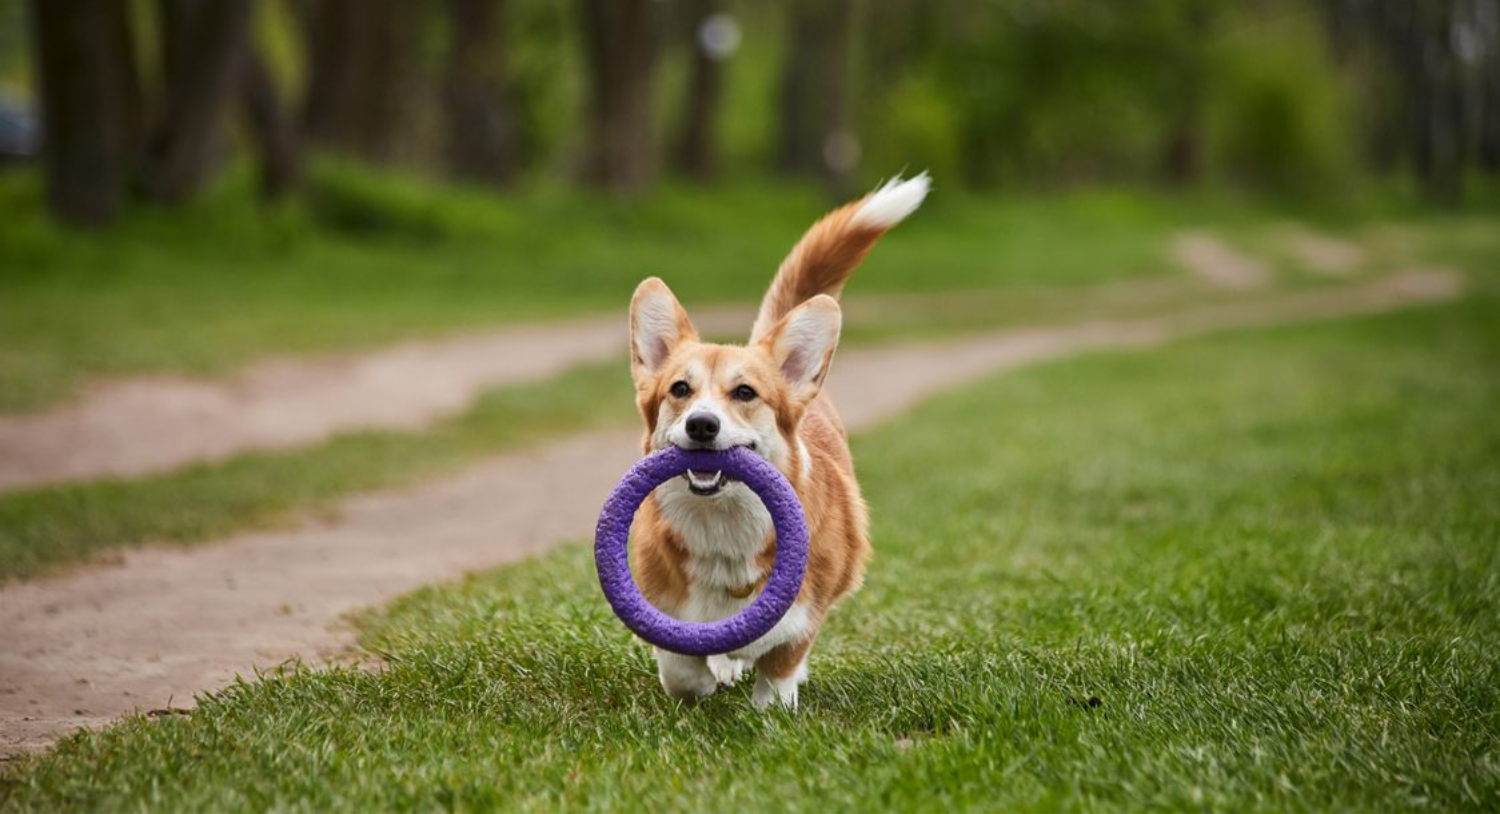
<point>1161,91</point>
<point>1282,119</point>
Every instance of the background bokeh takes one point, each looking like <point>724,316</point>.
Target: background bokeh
<point>1322,100</point>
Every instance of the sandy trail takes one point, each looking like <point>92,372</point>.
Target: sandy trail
<point>85,648</point>
<point>142,425</point>
<point>1321,254</point>
<point>1219,264</point>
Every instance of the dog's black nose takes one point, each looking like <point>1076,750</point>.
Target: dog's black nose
<point>702,427</point>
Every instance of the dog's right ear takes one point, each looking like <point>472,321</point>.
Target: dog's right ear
<point>658,324</point>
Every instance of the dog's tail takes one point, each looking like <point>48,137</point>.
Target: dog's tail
<point>825,257</point>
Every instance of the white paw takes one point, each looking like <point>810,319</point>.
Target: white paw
<point>781,692</point>
<point>727,671</point>
<point>684,677</point>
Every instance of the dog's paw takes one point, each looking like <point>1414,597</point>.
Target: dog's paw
<point>778,692</point>
<point>727,671</point>
<point>685,678</point>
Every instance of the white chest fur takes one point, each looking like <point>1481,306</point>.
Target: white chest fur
<point>722,534</point>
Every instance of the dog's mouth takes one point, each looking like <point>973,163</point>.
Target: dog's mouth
<point>704,484</point>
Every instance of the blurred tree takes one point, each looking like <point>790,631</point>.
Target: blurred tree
<point>361,58</point>
<point>1445,58</point>
<point>1417,34</point>
<point>1186,49</point>
<point>91,105</point>
<point>1024,92</point>
<point>204,47</point>
<point>621,40</point>
<point>908,116</point>
<point>1489,129</point>
<point>712,36</point>
<point>274,133</point>
<point>481,140</point>
<point>814,138</point>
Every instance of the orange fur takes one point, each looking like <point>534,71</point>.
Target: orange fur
<point>820,263</point>
<point>791,348</point>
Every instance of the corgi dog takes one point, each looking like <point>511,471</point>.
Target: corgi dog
<point>704,544</point>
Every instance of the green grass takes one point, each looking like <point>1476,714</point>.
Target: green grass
<point>1273,558</point>
<point>367,259</point>
<point>43,529</point>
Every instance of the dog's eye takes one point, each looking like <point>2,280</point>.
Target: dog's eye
<point>744,393</point>
<point>681,390</point>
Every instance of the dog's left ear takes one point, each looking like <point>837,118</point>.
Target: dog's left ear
<point>658,324</point>
<point>803,342</point>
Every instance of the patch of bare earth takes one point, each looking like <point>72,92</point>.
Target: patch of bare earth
<point>144,425</point>
<point>166,623</point>
<point>1217,263</point>
<point>1321,254</point>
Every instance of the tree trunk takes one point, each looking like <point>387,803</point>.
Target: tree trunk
<point>1182,154</point>
<point>1489,128</point>
<point>361,55</point>
<point>814,138</point>
<point>481,138</point>
<point>696,149</point>
<point>90,99</point>
<point>273,132</point>
<point>1437,106</point>
<point>203,51</point>
<point>620,41</point>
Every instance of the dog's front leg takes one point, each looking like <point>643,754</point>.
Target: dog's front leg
<point>686,678</point>
<point>727,670</point>
<point>781,671</point>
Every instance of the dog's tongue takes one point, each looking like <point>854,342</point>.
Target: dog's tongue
<point>703,479</point>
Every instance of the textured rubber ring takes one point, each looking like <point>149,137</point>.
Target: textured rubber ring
<point>612,557</point>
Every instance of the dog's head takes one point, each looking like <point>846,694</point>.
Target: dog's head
<point>701,395</point>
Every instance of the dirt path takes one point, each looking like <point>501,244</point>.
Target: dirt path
<point>142,425</point>
<point>83,649</point>
<point>1219,264</point>
<point>1321,254</point>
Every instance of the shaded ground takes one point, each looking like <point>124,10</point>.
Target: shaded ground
<point>84,648</point>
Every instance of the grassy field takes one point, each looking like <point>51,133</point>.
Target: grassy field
<point>368,259</point>
<point>1260,571</point>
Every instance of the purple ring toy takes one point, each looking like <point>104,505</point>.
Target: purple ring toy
<point>701,638</point>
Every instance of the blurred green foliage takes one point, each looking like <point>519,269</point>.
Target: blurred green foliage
<point>997,94</point>
<point>14,70</point>
<point>1029,93</point>
<point>1282,124</point>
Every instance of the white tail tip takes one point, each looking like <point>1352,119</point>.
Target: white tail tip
<point>892,202</point>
